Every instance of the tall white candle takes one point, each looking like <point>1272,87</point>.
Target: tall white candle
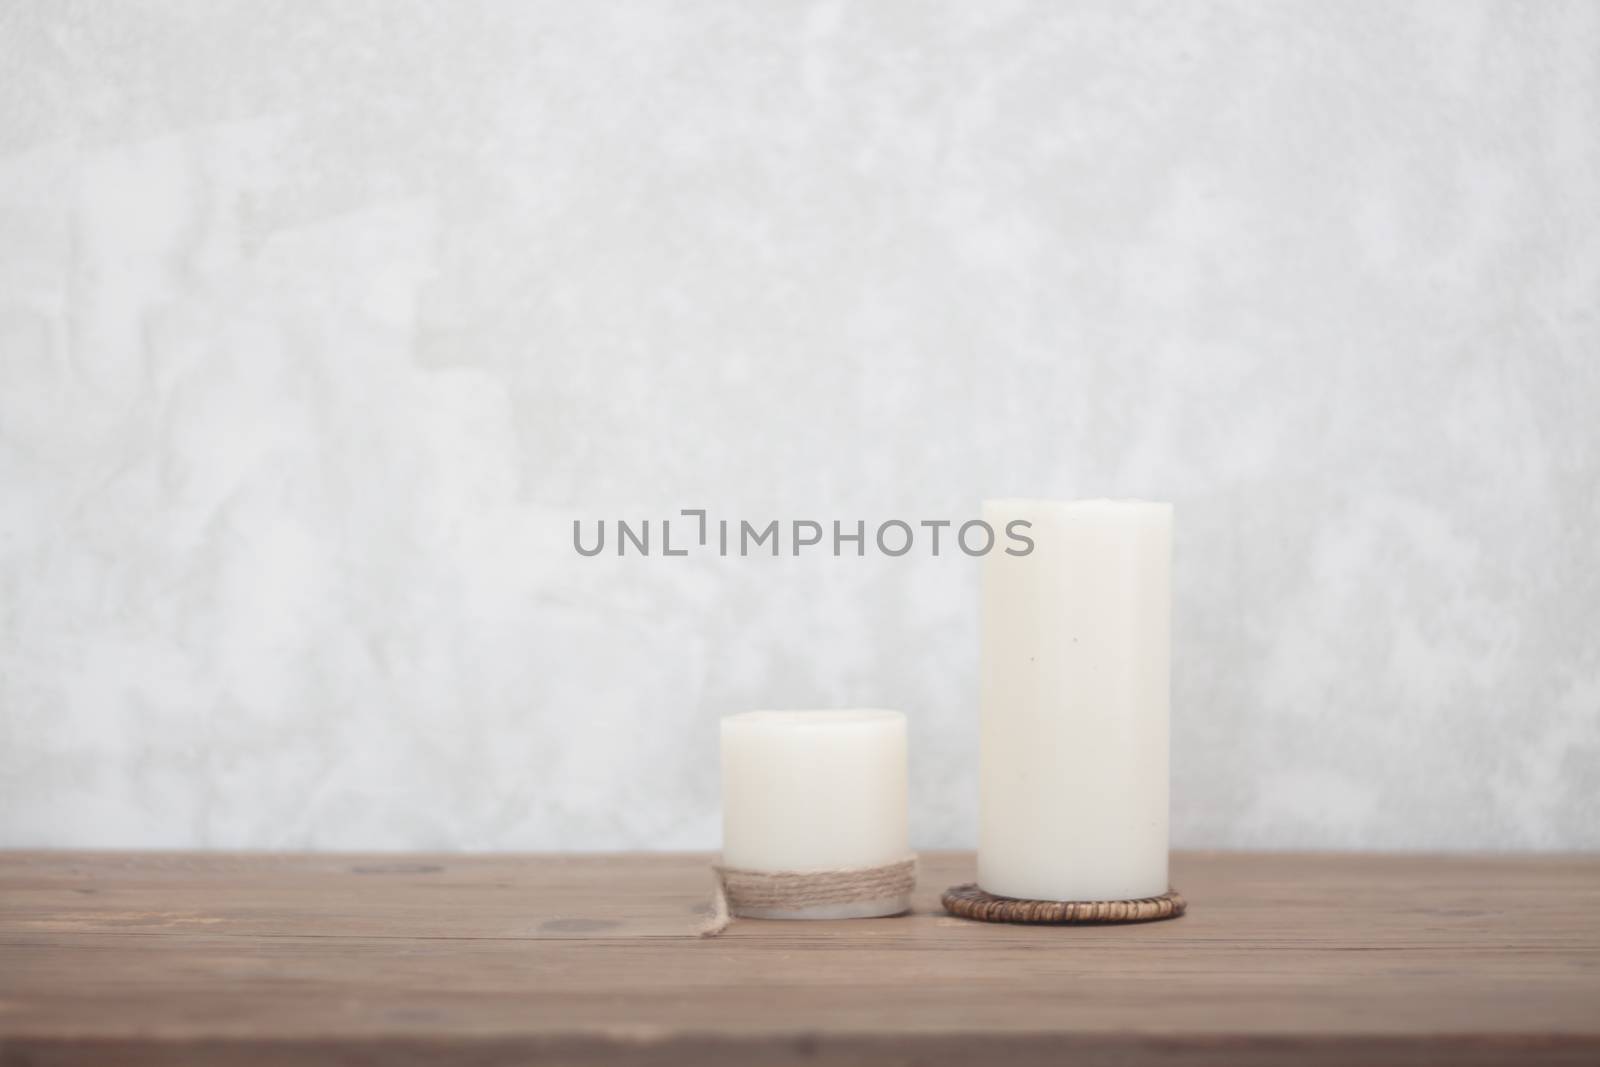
<point>1075,677</point>
<point>816,791</point>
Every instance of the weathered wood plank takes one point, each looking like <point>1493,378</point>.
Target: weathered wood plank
<point>136,959</point>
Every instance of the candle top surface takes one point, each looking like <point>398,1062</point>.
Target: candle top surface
<point>830,717</point>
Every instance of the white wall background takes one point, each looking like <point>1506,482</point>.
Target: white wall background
<point>319,323</point>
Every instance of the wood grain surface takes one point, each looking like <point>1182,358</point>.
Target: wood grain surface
<point>135,959</point>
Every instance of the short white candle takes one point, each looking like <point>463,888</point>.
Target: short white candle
<point>816,791</point>
<point>1075,675</point>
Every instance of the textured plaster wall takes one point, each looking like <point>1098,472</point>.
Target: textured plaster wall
<point>320,323</point>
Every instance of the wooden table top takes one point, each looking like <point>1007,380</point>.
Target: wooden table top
<point>136,958</point>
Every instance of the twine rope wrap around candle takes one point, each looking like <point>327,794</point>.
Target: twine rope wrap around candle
<point>844,893</point>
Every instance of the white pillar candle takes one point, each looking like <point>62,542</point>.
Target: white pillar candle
<point>806,791</point>
<point>1075,668</point>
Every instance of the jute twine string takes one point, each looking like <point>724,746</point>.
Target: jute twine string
<point>739,889</point>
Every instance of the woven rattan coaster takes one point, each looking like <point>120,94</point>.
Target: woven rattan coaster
<point>970,902</point>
